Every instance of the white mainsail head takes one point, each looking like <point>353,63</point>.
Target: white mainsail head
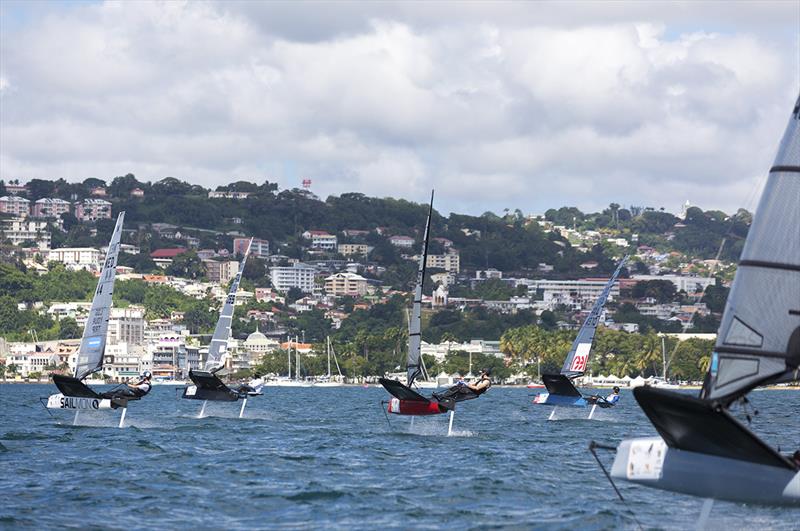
<point>415,324</point>
<point>759,338</point>
<point>219,341</point>
<point>93,342</point>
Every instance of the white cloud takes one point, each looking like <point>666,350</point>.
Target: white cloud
<point>496,105</point>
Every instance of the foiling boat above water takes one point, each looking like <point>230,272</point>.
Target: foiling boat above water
<point>703,449</point>
<point>206,385</point>
<point>74,394</point>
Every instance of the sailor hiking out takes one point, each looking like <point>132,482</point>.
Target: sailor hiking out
<point>132,390</point>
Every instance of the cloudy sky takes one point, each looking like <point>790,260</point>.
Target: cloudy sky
<point>496,105</point>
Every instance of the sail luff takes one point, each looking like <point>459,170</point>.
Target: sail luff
<point>93,341</point>
<point>758,341</point>
<point>415,324</point>
<point>219,341</point>
<point>578,357</point>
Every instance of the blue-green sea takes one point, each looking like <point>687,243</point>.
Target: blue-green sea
<point>326,458</point>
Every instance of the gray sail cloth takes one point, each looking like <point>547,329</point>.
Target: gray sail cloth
<point>578,357</point>
<point>415,325</point>
<point>758,341</point>
<point>93,342</point>
<point>219,341</point>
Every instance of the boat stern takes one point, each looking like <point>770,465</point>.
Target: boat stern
<point>549,399</point>
<point>415,407</point>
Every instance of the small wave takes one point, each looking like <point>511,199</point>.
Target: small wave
<point>315,495</point>
<point>24,436</point>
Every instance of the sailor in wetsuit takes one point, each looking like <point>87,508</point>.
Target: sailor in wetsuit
<point>464,391</point>
<point>136,390</point>
<point>610,400</point>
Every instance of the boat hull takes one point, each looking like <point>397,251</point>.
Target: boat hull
<point>649,461</point>
<point>59,401</point>
<point>415,407</point>
<point>548,399</point>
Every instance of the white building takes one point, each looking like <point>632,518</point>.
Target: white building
<point>321,240</point>
<point>228,195</point>
<point>258,249</point>
<point>573,292</point>
<point>121,361</point>
<point>300,276</point>
<point>16,206</point>
<point>126,325</point>
<point>76,257</point>
<point>346,284</point>
<point>405,242</point>
<point>688,284</point>
<point>348,249</point>
<point>48,207</point>
<point>93,209</point>
<point>19,231</point>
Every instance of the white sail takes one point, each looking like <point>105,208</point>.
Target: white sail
<point>219,341</point>
<point>759,337</point>
<point>415,325</point>
<point>93,342</point>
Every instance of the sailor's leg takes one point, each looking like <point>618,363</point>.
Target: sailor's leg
<point>450,426</point>
<point>122,417</point>
<point>202,409</point>
<point>705,512</point>
<point>241,411</point>
<point>552,414</point>
<point>591,413</point>
<point>75,420</point>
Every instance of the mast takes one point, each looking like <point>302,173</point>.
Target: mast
<point>93,342</point>
<point>219,341</point>
<point>415,324</point>
<point>328,345</point>
<point>289,354</point>
<point>578,357</point>
<point>758,341</point>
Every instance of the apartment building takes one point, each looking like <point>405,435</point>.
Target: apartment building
<point>19,231</point>
<point>348,249</point>
<point>93,209</point>
<point>221,272</point>
<point>300,276</point>
<point>321,240</point>
<point>76,257</point>
<point>16,206</point>
<point>48,207</point>
<point>346,284</point>
<point>450,262</point>
<point>259,248</point>
<point>126,325</point>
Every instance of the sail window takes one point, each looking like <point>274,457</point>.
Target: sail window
<point>742,335</point>
<point>734,369</point>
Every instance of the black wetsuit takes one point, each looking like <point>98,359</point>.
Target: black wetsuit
<point>129,392</point>
<point>461,392</point>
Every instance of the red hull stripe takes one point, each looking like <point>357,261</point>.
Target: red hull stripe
<point>414,407</point>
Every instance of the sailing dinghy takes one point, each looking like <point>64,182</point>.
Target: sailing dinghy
<point>703,450</point>
<point>206,385</point>
<point>74,394</point>
<point>560,389</point>
<point>405,400</point>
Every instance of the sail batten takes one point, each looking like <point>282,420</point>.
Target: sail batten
<point>219,341</point>
<point>578,357</point>
<point>413,368</point>
<point>758,341</point>
<point>93,341</point>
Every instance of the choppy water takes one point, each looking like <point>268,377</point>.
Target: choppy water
<point>326,458</point>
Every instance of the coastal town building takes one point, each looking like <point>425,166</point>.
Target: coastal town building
<point>93,209</point>
<point>48,207</point>
<point>575,293</point>
<point>346,285</point>
<point>300,276</point>
<point>16,206</point>
<point>449,261</point>
<point>122,361</point>
<point>405,242</point>
<point>258,249</point>
<point>76,257</point>
<point>126,325</point>
<point>221,271</point>
<point>228,195</point>
<point>348,249</point>
<point>321,240</point>
<point>164,257</point>
<point>19,232</point>
<point>689,284</point>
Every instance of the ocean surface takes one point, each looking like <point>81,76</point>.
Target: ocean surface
<point>311,458</point>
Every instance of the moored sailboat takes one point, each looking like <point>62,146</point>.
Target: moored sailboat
<point>560,389</point>
<point>206,385</point>
<point>74,394</point>
<point>703,450</point>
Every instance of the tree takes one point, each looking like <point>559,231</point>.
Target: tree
<point>123,185</point>
<point>68,329</point>
<point>187,265</point>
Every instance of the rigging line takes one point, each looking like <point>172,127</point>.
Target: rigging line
<point>592,447</point>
